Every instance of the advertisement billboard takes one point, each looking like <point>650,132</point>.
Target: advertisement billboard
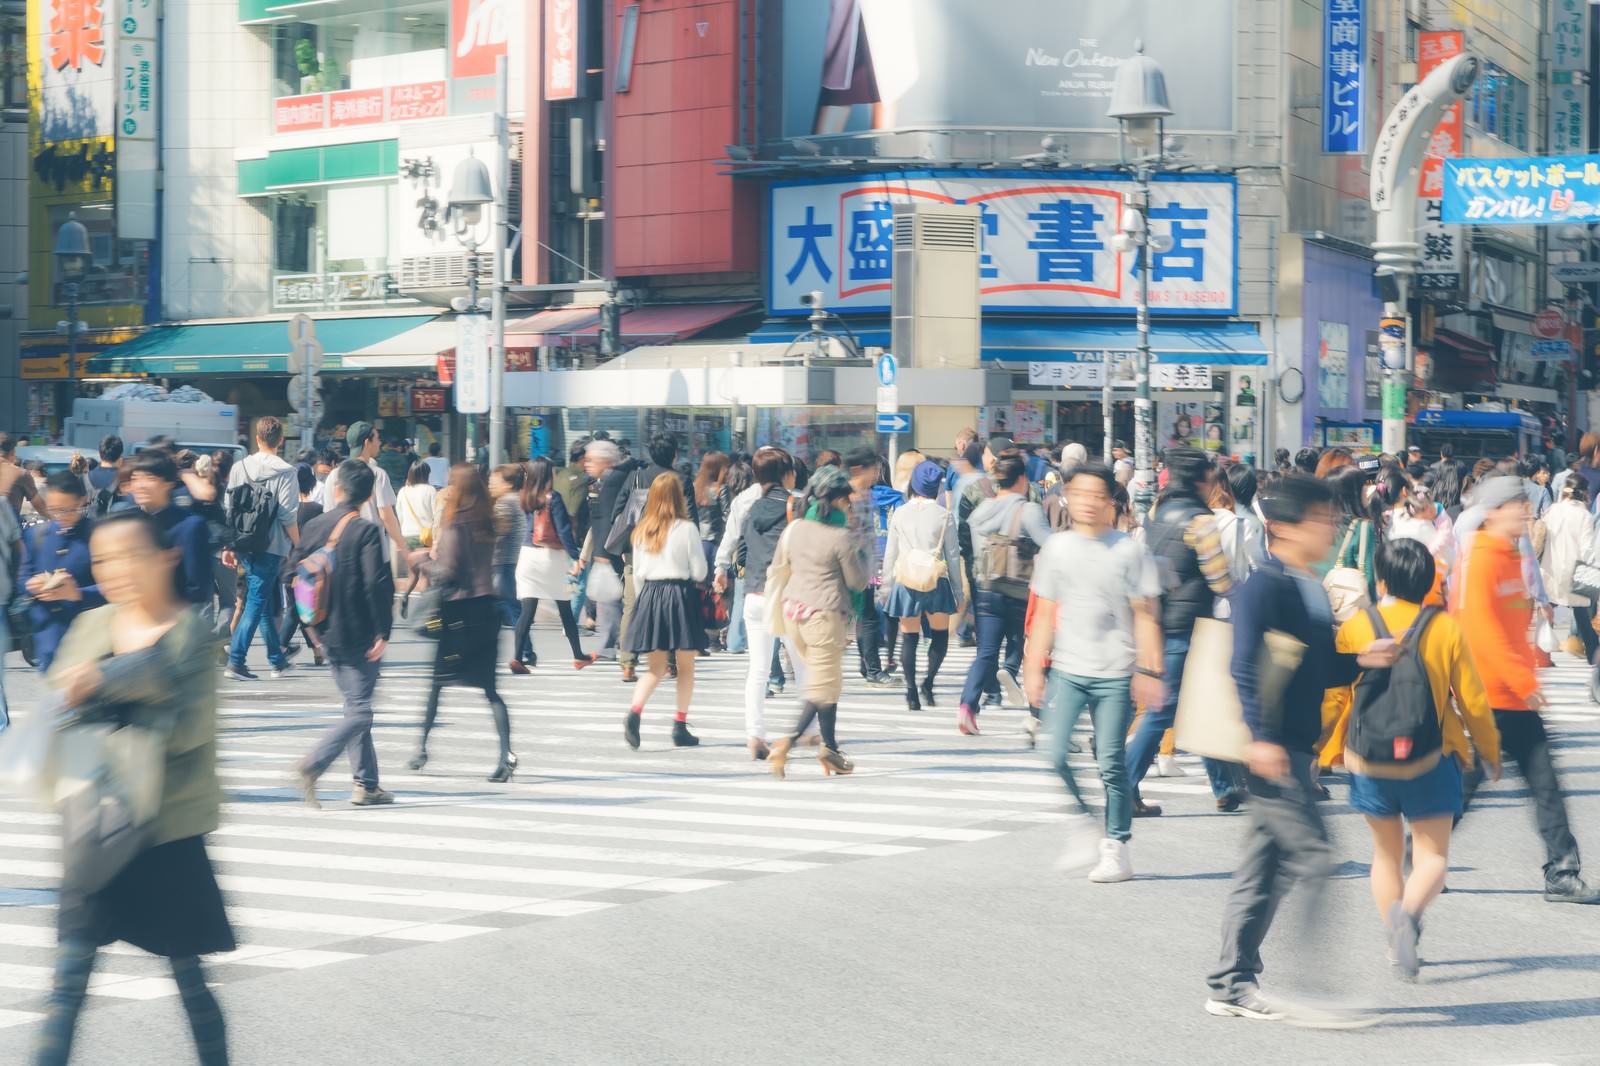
<point>853,65</point>
<point>1047,241</point>
<point>1344,86</point>
<point>479,32</point>
<point>75,49</point>
<point>1530,191</point>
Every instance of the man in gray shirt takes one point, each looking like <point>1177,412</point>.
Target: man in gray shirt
<point>264,560</point>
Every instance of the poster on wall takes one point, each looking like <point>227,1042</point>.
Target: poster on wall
<point>1333,365</point>
<point>857,65</point>
<point>1024,421</point>
<point>1215,437</point>
<point>1242,433</point>
<point>1180,423</point>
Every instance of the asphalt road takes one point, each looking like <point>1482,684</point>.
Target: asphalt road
<point>681,906</point>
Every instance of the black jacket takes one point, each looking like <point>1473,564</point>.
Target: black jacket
<point>1187,595</point>
<point>361,607</point>
<point>638,477</point>
<point>605,505</point>
<point>765,523</point>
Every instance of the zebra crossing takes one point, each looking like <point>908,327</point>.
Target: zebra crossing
<point>586,825</point>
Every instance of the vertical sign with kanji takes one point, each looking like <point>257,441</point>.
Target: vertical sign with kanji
<point>1569,115</point>
<point>1440,243</point>
<point>1569,35</point>
<point>138,117</point>
<point>1344,60</point>
<point>1433,49</point>
<point>563,59</point>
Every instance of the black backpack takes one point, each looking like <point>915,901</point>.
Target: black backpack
<point>252,512</point>
<point>1394,720</point>
<point>620,539</point>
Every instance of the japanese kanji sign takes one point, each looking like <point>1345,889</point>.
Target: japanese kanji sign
<point>563,60</point>
<point>1441,268</point>
<point>1092,374</point>
<point>1569,119</point>
<point>73,45</point>
<point>1434,48</point>
<point>360,107</point>
<point>138,117</point>
<point>1344,60</point>
<point>1047,241</point>
<point>1531,191</point>
<point>1569,35</point>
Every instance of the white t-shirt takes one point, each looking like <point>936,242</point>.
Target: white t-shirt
<point>1092,581</point>
<point>416,507</point>
<point>681,558</point>
<point>382,496</point>
<point>438,471</point>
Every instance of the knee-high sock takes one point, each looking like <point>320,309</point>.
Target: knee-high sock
<point>827,716</point>
<point>808,711</point>
<point>938,644</point>
<point>908,658</point>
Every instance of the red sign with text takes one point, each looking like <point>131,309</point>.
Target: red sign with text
<point>292,114</point>
<point>1435,47</point>
<point>562,66</point>
<point>478,34</point>
<point>355,107</point>
<point>429,401</point>
<point>425,99</point>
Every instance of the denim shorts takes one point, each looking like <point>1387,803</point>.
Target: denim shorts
<point>1435,794</point>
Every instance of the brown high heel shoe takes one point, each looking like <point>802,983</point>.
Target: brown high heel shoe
<point>758,749</point>
<point>778,755</point>
<point>834,762</point>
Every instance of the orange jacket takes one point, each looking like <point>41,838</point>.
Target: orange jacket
<point>1495,613</point>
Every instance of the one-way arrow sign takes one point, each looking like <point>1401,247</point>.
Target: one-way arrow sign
<point>899,422</point>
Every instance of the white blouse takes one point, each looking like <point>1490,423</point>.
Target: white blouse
<point>681,558</point>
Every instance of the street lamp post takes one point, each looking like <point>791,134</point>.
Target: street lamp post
<point>1139,104</point>
<point>72,257</point>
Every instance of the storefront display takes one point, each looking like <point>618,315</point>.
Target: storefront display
<point>1025,421</point>
<point>805,431</point>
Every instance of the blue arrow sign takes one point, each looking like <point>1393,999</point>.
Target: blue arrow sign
<point>899,422</point>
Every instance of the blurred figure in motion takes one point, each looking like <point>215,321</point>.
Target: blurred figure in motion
<point>145,660</point>
<point>54,567</point>
<point>360,608</point>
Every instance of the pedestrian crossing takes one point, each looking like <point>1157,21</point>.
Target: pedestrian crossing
<point>587,824</point>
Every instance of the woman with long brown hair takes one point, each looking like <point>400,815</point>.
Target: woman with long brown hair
<point>461,564</point>
<point>669,567</point>
<point>545,563</point>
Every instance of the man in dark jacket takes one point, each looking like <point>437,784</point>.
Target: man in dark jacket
<point>153,483</point>
<point>355,632</point>
<point>1287,841</point>
<point>572,482</point>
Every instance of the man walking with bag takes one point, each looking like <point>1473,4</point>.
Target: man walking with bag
<point>262,502</point>
<point>359,597</point>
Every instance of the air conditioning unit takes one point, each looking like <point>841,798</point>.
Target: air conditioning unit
<point>934,301</point>
<point>443,271</point>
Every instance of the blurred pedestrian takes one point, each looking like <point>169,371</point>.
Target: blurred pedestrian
<point>510,534</point>
<point>144,660</point>
<point>54,568</point>
<point>545,562</point>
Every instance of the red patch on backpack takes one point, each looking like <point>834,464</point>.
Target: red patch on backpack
<point>1402,749</point>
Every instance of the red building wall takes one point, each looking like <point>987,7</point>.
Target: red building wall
<point>671,211</point>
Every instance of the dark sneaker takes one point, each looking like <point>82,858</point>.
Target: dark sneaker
<point>1252,1005</point>
<point>240,673</point>
<point>1570,889</point>
<point>1231,802</point>
<point>1141,809</point>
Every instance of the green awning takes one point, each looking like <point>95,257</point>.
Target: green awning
<point>243,347</point>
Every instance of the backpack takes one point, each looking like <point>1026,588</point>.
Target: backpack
<point>620,540</point>
<point>313,578</point>
<point>1055,509</point>
<point>1006,563</point>
<point>252,514</point>
<point>1394,720</point>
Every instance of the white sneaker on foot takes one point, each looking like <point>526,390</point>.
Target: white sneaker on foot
<point>1167,766</point>
<point>1114,863</point>
<point>1012,690</point>
<point>1083,832</point>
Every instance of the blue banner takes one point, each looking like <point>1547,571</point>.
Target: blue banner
<point>1344,60</point>
<point>1532,191</point>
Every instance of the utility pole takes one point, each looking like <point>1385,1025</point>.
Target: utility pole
<point>502,240</point>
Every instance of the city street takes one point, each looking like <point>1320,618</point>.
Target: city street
<point>683,906</point>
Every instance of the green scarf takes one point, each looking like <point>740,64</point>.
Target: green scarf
<point>837,517</point>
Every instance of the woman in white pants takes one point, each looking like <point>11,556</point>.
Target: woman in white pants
<point>750,541</point>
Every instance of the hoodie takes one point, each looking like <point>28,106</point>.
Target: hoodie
<point>1495,612</point>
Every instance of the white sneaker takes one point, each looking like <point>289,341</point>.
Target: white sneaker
<point>1114,864</point>
<point>1012,690</point>
<point>1167,766</point>
<point>1083,830</point>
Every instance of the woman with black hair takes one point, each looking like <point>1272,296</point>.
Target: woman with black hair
<point>1356,534</point>
<point>545,563</point>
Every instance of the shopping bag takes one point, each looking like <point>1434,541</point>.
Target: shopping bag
<point>108,792</point>
<point>1210,719</point>
<point>28,756</point>
<point>604,584</point>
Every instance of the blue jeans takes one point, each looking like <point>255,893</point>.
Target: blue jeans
<point>999,619</point>
<point>261,581</point>
<point>737,644</point>
<point>1225,777</point>
<point>505,588</point>
<point>1111,710</point>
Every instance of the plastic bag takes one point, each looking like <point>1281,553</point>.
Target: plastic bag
<point>604,584</point>
<point>1545,637</point>
<point>30,753</point>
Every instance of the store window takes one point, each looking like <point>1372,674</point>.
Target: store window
<point>330,248</point>
<point>1500,106</point>
<point>357,55</point>
<point>805,431</point>
<point>119,272</point>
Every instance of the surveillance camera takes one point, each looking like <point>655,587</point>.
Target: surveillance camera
<point>812,299</point>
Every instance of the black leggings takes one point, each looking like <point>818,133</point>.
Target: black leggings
<point>569,624</point>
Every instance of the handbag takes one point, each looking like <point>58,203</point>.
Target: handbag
<point>1210,719</point>
<point>28,752</point>
<point>604,584</point>
<point>778,573</point>
<point>108,793</point>
<point>919,570</point>
<point>1347,586</point>
<point>425,613</point>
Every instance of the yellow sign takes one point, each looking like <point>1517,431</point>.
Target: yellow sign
<point>52,367</point>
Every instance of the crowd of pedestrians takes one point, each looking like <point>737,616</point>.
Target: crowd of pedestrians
<point>1382,618</point>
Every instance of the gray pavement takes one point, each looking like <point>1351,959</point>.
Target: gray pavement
<point>672,906</point>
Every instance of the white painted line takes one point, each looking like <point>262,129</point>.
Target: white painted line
<point>9,1018</point>
<point>405,897</point>
<point>563,908</point>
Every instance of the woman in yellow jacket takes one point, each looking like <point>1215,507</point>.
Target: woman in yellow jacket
<point>1427,791</point>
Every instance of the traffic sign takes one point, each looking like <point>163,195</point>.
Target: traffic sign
<point>305,351</point>
<point>897,422</point>
<point>887,369</point>
<point>1549,324</point>
<point>888,399</point>
<point>1576,273</point>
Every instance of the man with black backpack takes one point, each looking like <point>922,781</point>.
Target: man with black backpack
<point>1406,745</point>
<point>262,503</point>
<point>1007,531</point>
<point>102,480</point>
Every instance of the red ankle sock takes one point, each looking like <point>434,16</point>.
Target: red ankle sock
<point>636,710</point>
<point>681,716</point>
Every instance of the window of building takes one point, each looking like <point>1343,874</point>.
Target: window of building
<point>1499,106</point>
<point>398,44</point>
<point>1412,29</point>
<point>119,271</point>
<point>330,247</point>
<point>13,60</point>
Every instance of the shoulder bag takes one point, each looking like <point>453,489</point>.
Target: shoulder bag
<point>1347,586</point>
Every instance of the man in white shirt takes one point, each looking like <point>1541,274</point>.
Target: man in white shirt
<point>362,437</point>
<point>438,467</point>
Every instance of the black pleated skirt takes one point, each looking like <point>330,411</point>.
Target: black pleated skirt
<point>165,901</point>
<point>667,616</point>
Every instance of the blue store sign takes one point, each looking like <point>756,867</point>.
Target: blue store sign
<point>1344,61</point>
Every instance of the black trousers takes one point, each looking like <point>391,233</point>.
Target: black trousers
<point>1522,737</point>
<point>869,636</point>
<point>1583,622</point>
